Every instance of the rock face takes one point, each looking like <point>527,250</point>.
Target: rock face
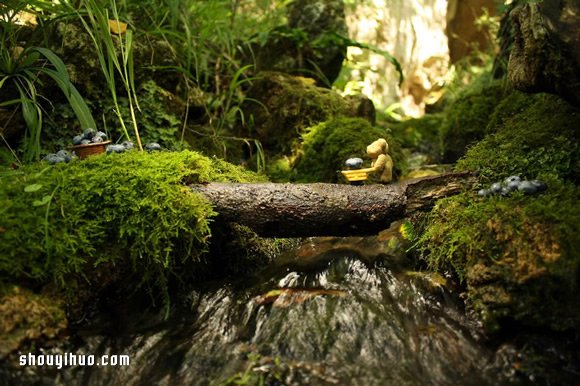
<point>462,33</point>
<point>286,105</point>
<point>541,44</point>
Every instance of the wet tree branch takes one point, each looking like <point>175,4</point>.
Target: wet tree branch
<point>299,210</point>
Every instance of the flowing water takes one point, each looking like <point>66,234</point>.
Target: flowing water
<point>347,312</point>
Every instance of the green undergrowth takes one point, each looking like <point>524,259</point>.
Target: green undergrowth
<point>327,146</point>
<point>420,134</point>
<point>69,220</point>
<point>519,255</point>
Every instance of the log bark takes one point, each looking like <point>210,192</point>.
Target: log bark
<point>303,210</point>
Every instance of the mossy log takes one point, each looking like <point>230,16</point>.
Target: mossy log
<point>300,210</point>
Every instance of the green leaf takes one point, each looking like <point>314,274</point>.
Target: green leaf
<point>45,200</point>
<point>128,45</point>
<point>32,188</point>
<point>12,102</point>
<point>333,38</point>
<point>54,60</point>
<point>3,80</point>
<point>75,99</point>
<point>29,111</point>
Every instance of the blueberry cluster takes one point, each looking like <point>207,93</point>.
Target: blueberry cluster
<point>60,156</point>
<point>89,136</point>
<point>152,146</point>
<point>353,163</point>
<point>123,147</point>
<point>513,183</point>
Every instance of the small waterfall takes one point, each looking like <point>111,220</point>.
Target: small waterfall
<point>335,312</point>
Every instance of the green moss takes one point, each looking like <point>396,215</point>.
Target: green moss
<point>517,255</point>
<point>289,105</point>
<point>326,146</point>
<point>467,117</point>
<point>237,250</point>
<point>69,219</point>
<point>535,134</point>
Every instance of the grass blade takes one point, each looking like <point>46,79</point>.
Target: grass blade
<point>75,99</point>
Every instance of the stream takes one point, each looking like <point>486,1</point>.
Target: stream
<point>336,311</point>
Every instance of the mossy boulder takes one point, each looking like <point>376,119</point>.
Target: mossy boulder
<point>63,223</point>
<point>518,255</point>
<point>70,41</point>
<point>534,134</point>
<point>327,146</point>
<point>280,107</point>
<point>27,317</point>
<point>467,118</point>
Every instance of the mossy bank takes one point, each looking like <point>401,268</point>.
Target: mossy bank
<point>110,219</point>
<point>518,255</point>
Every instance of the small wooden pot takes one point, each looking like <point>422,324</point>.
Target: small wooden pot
<point>84,151</point>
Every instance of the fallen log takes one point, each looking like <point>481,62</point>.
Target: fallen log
<point>301,210</point>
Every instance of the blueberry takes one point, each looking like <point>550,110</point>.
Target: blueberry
<point>512,179</point>
<point>128,145</point>
<point>102,135</point>
<point>495,187</point>
<point>539,185</point>
<point>96,139</point>
<point>65,155</point>
<point>513,185</point>
<point>77,139</point>
<point>152,146</point>
<point>89,133</point>
<point>505,192</point>
<point>53,159</point>
<point>353,163</point>
<point>527,187</point>
<point>483,192</point>
<point>115,149</point>
<point>85,142</point>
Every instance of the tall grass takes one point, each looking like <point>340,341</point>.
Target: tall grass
<point>115,53</point>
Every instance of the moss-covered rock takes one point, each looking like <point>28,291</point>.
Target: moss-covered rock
<point>327,146</point>
<point>467,118</point>
<point>534,134</point>
<point>518,255</point>
<point>280,107</point>
<point>26,317</point>
<point>130,209</point>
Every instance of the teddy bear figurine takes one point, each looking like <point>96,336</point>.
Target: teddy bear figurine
<point>382,163</point>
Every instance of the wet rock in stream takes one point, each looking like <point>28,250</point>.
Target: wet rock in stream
<point>370,321</point>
